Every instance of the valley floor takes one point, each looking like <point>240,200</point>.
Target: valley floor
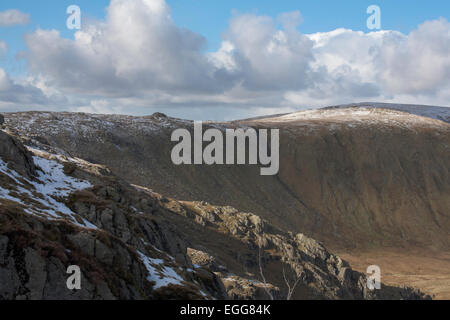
<point>425,270</point>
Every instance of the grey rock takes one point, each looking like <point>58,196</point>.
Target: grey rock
<point>35,265</point>
<point>17,156</point>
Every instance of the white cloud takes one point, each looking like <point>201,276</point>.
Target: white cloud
<point>13,17</point>
<point>268,58</point>
<point>137,49</point>
<point>4,81</point>
<point>418,63</point>
<point>139,59</point>
<point>383,66</point>
<point>3,48</point>
<point>23,95</point>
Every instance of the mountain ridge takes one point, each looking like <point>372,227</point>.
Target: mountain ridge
<point>142,143</point>
<point>428,111</point>
<point>353,178</point>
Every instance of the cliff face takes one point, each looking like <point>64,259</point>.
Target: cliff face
<point>58,211</point>
<point>350,176</point>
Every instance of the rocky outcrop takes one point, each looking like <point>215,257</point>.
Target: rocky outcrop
<point>16,155</point>
<point>35,254</point>
<point>123,253</point>
<point>274,255</point>
<point>239,288</point>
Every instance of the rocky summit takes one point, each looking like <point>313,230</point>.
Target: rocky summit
<point>99,192</point>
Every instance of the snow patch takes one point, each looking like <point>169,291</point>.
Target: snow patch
<point>362,115</point>
<point>438,113</point>
<point>160,274</point>
<point>53,185</point>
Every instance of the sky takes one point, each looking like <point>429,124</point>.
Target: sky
<point>221,60</point>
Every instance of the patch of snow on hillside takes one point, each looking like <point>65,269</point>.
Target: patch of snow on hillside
<point>10,173</point>
<point>55,181</point>
<point>438,113</point>
<point>53,184</point>
<point>323,114</point>
<point>160,274</point>
<point>353,116</point>
<point>5,194</point>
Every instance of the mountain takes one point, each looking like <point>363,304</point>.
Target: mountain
<point>373,175</point>
<point>359,178</point>
<point>132,243</point>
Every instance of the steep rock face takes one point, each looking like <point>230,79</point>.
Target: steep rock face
<point>41,235</point>
<point>350,177</point>
<point>12,151</point>
<point>36,254</point>
<point>132,243</point>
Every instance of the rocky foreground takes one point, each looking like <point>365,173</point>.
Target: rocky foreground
<point>132,243</point>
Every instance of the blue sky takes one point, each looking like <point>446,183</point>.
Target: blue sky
<point>345,69</point>
<point>210,18</point>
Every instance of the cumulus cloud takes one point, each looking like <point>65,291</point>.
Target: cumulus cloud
<point>384,66</point>
<point>16,95</point>
<point>345,65</point>
<point>13,17</point>
<point>139,59</point>
<point>265,57</point>
<point>137,49</point>
<point>418,63</point>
